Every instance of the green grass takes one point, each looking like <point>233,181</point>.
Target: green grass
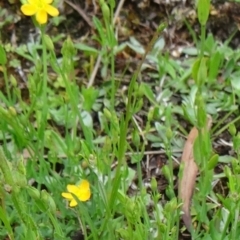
<point>69,130</point>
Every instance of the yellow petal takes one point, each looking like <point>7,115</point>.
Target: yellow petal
<point>48,1</point>
<point>51,10</point>
<point>32,2</point>
<point>73,203</point>
<point>73,189</point>
<point>84,184</point>
<point>28,9</point>
<point>84,196</point>
<point>83,191</point>
<point>41,17</point>
<point>68,196</point>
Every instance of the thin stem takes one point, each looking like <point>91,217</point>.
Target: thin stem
<point>99,59</point>
<point>44,105</point>
<point>203,36</point>
<point>6,82</point>
<point>113,90</point>
<point>43,94</point>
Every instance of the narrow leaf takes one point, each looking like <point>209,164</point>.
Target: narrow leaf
<point>189,174</point>
<point>3,57</point>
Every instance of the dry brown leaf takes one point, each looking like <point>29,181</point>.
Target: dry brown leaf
<point>189,174</point>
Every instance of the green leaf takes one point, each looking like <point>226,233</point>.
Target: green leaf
<point>236,142</point>
<point>202,72</point>
<point>86,49</point>
<point>147,91</point>
<point>5,219</point>
<point>192,51</point>
<point>87,119</point>
<point>214,66</point>
<point>170,70</point>
<point>195,70</point>
<point>161,129</point>
<point>213,162</point>
<point>235,81</point>
<point>201,111</point>
<point>90,95</point>
<point>100,29</point>
<point>136,46</point>
<point>3,58</point>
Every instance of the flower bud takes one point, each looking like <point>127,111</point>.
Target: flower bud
<point>13,81</point>
<point>20,179</point>
<point>33,192</point>
<point>105,11</point>
<point>21,167</point>
<point>169,133</point>
<point>68,49</point>
<point>48,200</point>
<point>12,111</point>
<point>48,41</point>
<point>201,111</point>
<point>107,113</point>
<point>85,164</point>
<point>136,138</point>
<point>232,129</point>
<point>154,184</point>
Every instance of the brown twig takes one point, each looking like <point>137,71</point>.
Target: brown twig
<point>81,13</point>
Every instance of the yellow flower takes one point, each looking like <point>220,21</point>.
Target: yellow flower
<point>80,191</point>
<point>40,8</point>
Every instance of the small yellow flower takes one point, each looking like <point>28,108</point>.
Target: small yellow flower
<point>80,191</point>
<point>40,8</point>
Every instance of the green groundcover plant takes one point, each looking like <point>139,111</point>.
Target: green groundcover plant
<point>93,194</point>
